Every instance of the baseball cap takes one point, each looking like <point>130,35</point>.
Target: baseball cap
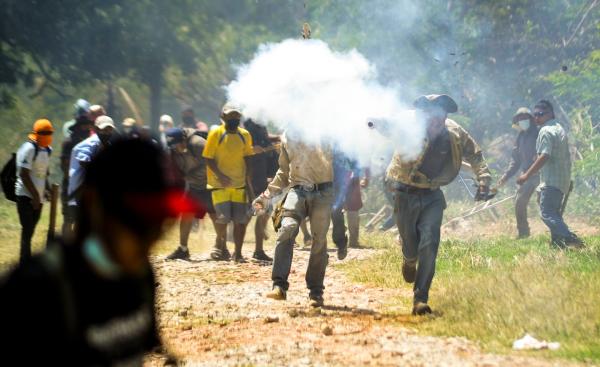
<point>174,136</point>
<point>166,119</point>
<point>81,107</point>
<point>102,122</point>
<point>230,108</point>
<point>129,122</point>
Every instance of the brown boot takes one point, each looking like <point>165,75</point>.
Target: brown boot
<point>277,293</point>
<point>420,309</point>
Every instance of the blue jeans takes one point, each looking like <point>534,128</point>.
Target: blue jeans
<point>419,219</point>
<point>551,199</point>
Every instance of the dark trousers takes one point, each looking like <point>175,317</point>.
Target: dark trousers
<point>338,234</point>
<point>29,219</point>
<point>419,219</point>
<point>550,205</point>
<point>522,198</point>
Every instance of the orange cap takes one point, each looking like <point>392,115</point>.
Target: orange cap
<point>41,125</point>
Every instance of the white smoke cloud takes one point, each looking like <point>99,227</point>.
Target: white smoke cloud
<point>325,96</point>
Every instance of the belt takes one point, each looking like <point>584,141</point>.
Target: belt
<point>314,187</point>
<point>398,186</point>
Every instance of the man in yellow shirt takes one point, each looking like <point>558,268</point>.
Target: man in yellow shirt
<point>227,150</point>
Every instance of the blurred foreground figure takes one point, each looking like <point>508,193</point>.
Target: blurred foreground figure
<point>420,203</point>
<point>554,164</point>
<point>91,302</point>
<point>33,164</point>
<point>307,170</point>
<point>523,156</point>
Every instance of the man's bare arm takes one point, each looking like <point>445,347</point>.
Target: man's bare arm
<point>25,175</point>
<point>535,168</point>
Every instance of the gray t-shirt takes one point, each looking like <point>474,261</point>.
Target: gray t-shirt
<point>553,141</point>
<point>38,168</point>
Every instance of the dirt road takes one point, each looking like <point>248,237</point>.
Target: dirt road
<point>215,314</point>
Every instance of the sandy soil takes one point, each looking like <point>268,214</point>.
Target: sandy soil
<point>215,314</point>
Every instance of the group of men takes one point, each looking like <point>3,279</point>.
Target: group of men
<point>117,221</point>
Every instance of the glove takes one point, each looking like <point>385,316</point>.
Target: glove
<point>261,205</point>
<point>484,194</point>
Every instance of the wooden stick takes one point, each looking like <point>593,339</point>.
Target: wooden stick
<point>54,190</point>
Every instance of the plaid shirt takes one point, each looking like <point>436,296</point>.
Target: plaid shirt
<point>553,141</point>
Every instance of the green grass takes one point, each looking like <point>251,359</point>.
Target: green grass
<point>495,291</point>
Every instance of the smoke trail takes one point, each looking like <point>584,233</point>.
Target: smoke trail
<point>325,96</point>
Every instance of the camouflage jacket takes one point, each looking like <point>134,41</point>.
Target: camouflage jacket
<point>463,147</point>
<point>302,164</point>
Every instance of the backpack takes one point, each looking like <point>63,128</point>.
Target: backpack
<point>8,176</point>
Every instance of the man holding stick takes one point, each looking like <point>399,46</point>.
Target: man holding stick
<point>554,165</point>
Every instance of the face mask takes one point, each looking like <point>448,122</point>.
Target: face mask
<point>188,120</point>
<point>232,124</point>
<point>95,254</point>
<point>104,138</point>
<point>523,124</point>
<point>44,141</point>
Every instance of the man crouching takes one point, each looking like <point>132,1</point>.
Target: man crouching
<point>307,169</point>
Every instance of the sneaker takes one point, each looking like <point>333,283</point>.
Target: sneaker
<point>316,300</point>
<point>238,258</point>
<point>179,254</point>
<point>277,293</point>
<point>218,254</point>
<point>420,309</point>
<point>409,271</point>
<point>261,256</point>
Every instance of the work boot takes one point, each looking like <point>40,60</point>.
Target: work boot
<point>342,252</point>
<point>238,258</point>
<point>316,300</point>
<point>277,293</point>
<point>220,254</point>
<point>409,271</point>
<point>574,243</point>
<point>181,253</point>
<point>420,309</point>
<point>261,256</point>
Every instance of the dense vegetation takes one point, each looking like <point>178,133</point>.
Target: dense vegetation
<point>491,56</point>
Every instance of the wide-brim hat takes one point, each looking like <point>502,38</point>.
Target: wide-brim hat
<point>442,101</point>
<point>523,113</point>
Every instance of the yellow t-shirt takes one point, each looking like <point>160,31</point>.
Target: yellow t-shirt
<point>228,150</point>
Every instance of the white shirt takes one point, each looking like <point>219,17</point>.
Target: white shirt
<point>82,152</point>
<point>38,169</point>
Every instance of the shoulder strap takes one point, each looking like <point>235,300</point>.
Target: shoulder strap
<point>222,137</point>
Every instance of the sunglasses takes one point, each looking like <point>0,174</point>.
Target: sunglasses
<point>539,114</point>
<point>44,132</point>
